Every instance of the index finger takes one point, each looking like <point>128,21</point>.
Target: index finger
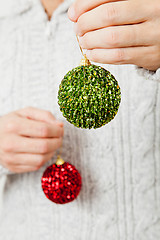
<point>37,114</point>
<point>37,129</point>
<point>81,6</point>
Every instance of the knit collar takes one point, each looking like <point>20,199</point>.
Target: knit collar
<point>10,8</point>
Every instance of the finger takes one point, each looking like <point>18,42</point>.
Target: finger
<point>38,114</point>
<point>118,36</point>
<point>25,159</point>
<point>32,128</point>
<point>18,144</point>
<point>81,6</point>
<point>22,169</point>
<point>111,14</point>
<point>140,56</point>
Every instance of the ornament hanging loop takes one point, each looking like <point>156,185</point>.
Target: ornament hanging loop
<point>84,61</point>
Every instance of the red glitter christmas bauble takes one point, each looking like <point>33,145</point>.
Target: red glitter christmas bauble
<point>61,183</point>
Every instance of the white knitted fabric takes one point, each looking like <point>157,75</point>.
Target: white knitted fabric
<point>150,75</point>
<point>119,163</point>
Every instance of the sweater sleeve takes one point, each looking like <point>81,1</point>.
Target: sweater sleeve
<point>149,75</point>
<point>4,171</point>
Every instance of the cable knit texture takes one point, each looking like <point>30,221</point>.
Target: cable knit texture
<point>119,163</point>
<point>149,75</point>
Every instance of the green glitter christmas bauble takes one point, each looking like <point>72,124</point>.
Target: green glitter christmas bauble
<point>89,96</point>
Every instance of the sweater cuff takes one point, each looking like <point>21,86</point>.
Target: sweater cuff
<point>149,75</point>
<point>4,171</point>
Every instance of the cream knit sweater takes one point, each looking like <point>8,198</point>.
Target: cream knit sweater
<point>119,163</point>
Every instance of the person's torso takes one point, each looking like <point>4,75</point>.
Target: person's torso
<point>119,163</point>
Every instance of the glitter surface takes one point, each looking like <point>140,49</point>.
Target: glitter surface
<point>89,97</point>
<point>61,183</point>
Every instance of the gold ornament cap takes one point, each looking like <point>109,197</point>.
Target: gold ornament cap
<point>85,61</point>
<point>59,161</point>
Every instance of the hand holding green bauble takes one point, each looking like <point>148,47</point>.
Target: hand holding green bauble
<point>89,96</point>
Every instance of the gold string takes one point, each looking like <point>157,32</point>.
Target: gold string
<point>85,61</point>
<point>80,46</point>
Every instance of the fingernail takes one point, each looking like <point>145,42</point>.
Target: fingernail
<point>61,132</point>
<point>81,41</point>
<point>72,13</point>
<point>75,28</point>
<point>88,53</point>
<point>59,123</point>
